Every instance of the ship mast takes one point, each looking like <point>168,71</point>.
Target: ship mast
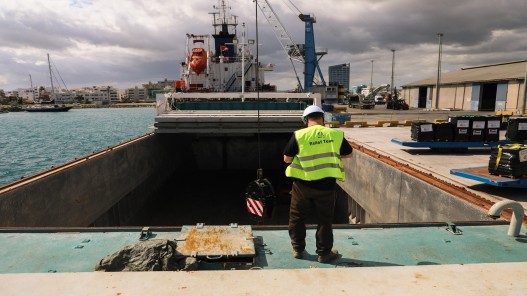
<point>224,19</point>
<point>31,85</point>
<point>51,78</point>
<point>225,26</point>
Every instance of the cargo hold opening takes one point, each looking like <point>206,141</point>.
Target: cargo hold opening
<point>209,182</point>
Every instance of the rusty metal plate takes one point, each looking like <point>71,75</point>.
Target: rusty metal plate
<point>214,240</point>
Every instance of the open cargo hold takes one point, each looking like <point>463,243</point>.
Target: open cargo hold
<point>159,180</point>
<point>209,185</point>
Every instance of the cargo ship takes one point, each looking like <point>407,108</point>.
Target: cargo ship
<point>190,177</point>
<point>222,61</point>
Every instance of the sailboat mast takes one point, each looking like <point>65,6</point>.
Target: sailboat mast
<point>51,78</point>
<point>31,85</point>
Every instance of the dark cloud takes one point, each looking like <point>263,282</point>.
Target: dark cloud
<point>128,42</point>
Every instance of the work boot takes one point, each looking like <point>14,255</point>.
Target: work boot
<point>298,254</point>
<point>334,254</point>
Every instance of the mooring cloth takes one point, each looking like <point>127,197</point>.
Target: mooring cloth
<point>150,255</point>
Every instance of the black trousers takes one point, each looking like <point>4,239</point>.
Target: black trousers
<point>303,199</point>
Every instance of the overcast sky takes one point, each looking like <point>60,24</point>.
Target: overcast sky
<point>125,43</point>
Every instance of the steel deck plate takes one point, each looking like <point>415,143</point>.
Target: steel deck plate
<point>215,240</point>
<point>361,246</point>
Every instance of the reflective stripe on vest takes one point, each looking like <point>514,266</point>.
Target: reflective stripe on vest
<point>319,154</point>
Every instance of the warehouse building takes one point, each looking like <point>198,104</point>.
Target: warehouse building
<point>498,87</point>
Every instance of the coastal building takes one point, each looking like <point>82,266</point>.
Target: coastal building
<point>28,94</point>
<point>67,97</point>
<point>340,74</point>
<point>492,87</point>
<point>151,89</point>
<point>99,95</point>
<point>136,94</point>
<point>13,93</point>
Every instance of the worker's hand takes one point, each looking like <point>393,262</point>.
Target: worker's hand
<point>288,159</point>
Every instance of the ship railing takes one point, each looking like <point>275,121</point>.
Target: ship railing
<point>248,60</point>
<point>165,102</point>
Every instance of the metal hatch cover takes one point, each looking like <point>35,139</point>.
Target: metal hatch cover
<point>215,240</point>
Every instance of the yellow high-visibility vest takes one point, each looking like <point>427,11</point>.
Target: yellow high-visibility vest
<point>319,154</point>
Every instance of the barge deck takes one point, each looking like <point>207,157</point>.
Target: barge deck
<point>435,261</point>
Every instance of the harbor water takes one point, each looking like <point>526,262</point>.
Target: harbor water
<point>33,142</point>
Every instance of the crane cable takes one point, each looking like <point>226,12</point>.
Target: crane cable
<point>259,172</point>
<point>290,59</point>
<point>292,4</point>
<point>295,7</point>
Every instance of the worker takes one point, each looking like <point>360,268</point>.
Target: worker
<point>314,156</point>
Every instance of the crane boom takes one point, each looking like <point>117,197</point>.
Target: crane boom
<point>291,48</point>
<point>304,53</point>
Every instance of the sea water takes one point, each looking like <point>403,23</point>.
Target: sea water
<point>31,142</point>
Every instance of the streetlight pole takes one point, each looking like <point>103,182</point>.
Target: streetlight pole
<point>243,59</point>
<point>438,81</point>
<point>393,65</point>
<point>371,77</point>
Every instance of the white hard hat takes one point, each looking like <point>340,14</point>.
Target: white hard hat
<point>312,109</point>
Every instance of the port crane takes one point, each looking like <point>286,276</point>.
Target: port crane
<point>303,53</point>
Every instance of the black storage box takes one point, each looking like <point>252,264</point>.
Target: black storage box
<point>443,132</point>
<point>461,126</point>
<point>477,128</point>
<point>492,131</point>
<point>508,160</point>
<point>422,131</point>
<point>517,129</point>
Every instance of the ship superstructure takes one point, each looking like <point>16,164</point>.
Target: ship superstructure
<point>222,62</point>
